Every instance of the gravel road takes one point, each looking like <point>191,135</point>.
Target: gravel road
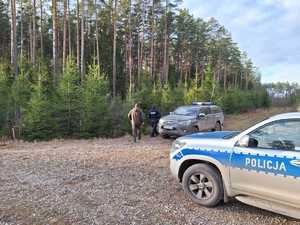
<point>105,181</point>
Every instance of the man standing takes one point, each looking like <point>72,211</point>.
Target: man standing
<point>136,118</point>
<point>154,117</point>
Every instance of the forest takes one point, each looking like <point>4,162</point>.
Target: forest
<point>74,68</point>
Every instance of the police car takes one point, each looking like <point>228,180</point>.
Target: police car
<point>259,166</point>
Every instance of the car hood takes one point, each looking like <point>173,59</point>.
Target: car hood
<point>213,140</point>
<point>212,135</point>
<point>177,118</point>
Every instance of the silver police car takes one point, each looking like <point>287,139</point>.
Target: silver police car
<point>200,116</point>
<point>259,166</point>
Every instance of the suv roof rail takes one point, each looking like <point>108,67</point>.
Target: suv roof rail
<point>202,103</point>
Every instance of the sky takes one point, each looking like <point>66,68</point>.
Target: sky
<point>268,30</point>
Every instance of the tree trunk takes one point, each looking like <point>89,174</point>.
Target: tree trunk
<point>41,24</point>
<point>78,36</point>
<point>142,53</point>
<point>197,75</point>
<point>21,31</point>
<point>152,42</point>
<point>130,52</point>
<point>225,77</point>
<point>114,50</point>
<point>33,59</point>
<point>65,34</point>
<point>30,39</point>
<point>55,41</point>
<point>13,31</point>
<point>82,68</point>
<point>69,29</point>
<point>139,61</point>
<point>97,35</point>
<point>165,66</point>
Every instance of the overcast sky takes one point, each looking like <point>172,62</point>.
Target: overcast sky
<point>268,30</point>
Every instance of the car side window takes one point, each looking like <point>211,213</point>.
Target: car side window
<point>279,135</point>
<point>205,110</point>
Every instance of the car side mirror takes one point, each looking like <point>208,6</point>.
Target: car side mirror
<point>244,141</point>
<point>201,116</point>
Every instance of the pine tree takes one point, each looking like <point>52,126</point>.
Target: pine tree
<point>209,87</point>
<point>96,119</point>
<point>4,100</point>
<point>20,95</point>
<point>39,123</point>
<point>13,32</point>
<point>67,102</point>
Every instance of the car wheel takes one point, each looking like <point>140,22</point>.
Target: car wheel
<point>195,129</point>
<point>165,136</point>
<point>203,184</point>
<point>218,127</point>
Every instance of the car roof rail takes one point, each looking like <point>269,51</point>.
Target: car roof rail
<point>203,103</point>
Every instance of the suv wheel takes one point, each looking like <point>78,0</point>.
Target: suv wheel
<point>203,184</point>
<point>218,127</point>
<point>165,136</point>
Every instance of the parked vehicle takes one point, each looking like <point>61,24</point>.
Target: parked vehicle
<point>259,166</point>
<point>200,116</point>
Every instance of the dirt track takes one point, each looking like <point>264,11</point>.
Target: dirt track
<point>105,181</point>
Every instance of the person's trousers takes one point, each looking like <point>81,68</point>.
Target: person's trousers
<point>154,131</point>
<point>136,132</point>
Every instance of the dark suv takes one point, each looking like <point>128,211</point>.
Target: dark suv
<point>200,116</point>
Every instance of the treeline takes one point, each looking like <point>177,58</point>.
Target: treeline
<point>283,93</point>
<point>74,68</point>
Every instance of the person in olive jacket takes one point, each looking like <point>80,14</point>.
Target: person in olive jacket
<point>154,116</point>
<point>137,119</point>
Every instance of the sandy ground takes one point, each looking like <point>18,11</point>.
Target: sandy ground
<point>109,181</point>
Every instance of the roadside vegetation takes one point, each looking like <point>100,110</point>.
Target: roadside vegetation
<point>75,70</point>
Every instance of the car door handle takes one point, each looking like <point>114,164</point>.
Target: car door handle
<point>295,162</point>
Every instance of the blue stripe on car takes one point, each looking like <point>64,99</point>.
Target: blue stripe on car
<point>259,163</point>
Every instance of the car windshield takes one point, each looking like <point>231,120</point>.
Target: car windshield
<point>186,111</point>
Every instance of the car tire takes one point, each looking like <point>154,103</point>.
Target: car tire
<point>165,136</point>
<point>218,127</point>
<point>203,184</point>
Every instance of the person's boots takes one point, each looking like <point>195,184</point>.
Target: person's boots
<point>152,133</point>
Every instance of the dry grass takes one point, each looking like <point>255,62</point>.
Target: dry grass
<point>245,120</point>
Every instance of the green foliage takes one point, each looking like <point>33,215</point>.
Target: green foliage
<point>96,117</point>
<point>67,102</point>
<point>209,88</point>
<point>21,91</point>
<point>4,99</point>
<point>19,98</point>
<point>39,121</point>
<point>283,93</point>
<point>120,124</point>
<point>236,101</point>
<point>167,98</point>
<point>194,93</point>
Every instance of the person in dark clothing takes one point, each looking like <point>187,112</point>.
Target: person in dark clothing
<point>154,116</point>
<point>137,119</point>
